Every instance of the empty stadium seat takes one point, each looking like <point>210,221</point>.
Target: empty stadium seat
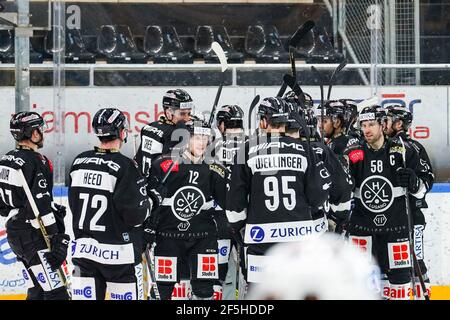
<point>264,44</point>
<point>206,35</point>
<point>116,43</point>
<point>75,47</point>
<point>321,50</point>
<point>162,44</point>
<point>7,49</point>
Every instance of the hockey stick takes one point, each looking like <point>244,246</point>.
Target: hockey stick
<point>292,43</point>
<point>333,75</point>
<point>250,112</point>
<point>293,84</point>
<point>321,84</point>
<point>413,259</point>
<point>35,209</point>
<point>224,65</point>
<point>135,145</point>
<point>294,40</point>
<point>151,263</point>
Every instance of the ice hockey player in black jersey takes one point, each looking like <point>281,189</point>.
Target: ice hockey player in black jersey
<point>334,125</point>
<point>276,190</point>
<point>229,121</point>
<point>24,235</point>
<point>185,229</point>
<point>399,120</point>
<point>379,222</point>
<point>160,137</point>
<point>337,207</point>
<point>156,137</point>
<point>109,203</point>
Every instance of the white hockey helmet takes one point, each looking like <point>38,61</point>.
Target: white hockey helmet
<point>320,268</point>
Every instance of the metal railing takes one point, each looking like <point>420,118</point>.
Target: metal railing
<point>233,67</point>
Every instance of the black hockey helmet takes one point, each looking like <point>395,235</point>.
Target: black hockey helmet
<point>351,109</point>
<point>293,109</point>
<point>177,99</point>
<point>293,97</point>
<point>231,115</point>
<point>198,124</point>
<point>108,122</point>
<point>334,109</point>
<point>274,110</point>
<point>399,112</point>
<point>374,112</point>
<point>23,123</point>
<point>309,102</point>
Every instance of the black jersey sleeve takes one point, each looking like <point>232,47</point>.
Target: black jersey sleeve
<point>425,162</point>
<point>218,184</point>
<point>340,192</point>
<point>130,196</point>
<point>39,178</point>
<point>237,195</point>
<point>152,143</point>
<point>414,162</point>
<point>317,180</point>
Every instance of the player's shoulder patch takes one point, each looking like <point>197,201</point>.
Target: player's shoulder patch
<point>218,169</point>
<point>356,155</point>
<point>396,149</point>
<point>167,164</point>
<point>396,146</point>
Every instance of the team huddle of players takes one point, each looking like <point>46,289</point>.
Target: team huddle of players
<point>192,193</point>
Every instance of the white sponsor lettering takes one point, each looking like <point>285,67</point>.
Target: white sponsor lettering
<point>151,146</point>
<point>275,162</point>
<point>276,145</point>
<point>98,161</point>
<point>93,179</point>
<point>10,176</point>
<point>207,267</point>
<point>113,254</point>
<point>166,269</point>
<point>284,231</point>
<point>255,267</point>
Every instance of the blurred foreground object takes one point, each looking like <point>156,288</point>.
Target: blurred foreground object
<point>320,268</point>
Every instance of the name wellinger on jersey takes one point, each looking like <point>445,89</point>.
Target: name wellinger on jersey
<point>279,162</point>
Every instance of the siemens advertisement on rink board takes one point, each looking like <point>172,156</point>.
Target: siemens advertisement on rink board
<point>430,106</point>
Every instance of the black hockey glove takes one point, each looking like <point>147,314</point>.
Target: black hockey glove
<point>149,233</point>
<point>156,198</point>
<point>58,253</point>
<point>59,212</point>
<point>337,224</point>
<point>406,177</point>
